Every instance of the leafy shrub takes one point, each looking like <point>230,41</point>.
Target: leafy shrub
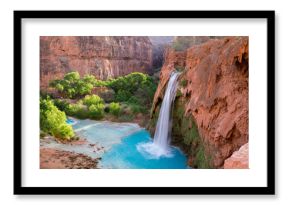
<point>89,79</point>
<point>183,83</point>
<point>59,87</point>
<point>115,108</point>
<point>130,82</point>
<point>64,131</point>
<point>73,86</point>
<point>99,83</point>
<point>137,108</point>
<point>72,76</point>
<point>133,100</point>
<point>53,121</point>
<point>83,88</point>
<point>70,92</point>
<point>77,110</point>
<point>96,111</point>
<point>123,95</point>
<point>92,100</point>
<point>61,104</point>
<point>137,88</point>
<point>73,109</point>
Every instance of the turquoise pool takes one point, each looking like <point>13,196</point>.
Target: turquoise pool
<point>120,146</point>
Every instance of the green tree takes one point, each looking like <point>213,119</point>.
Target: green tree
<point>92,100</point>
<point>73,86</point>
<point>123,95</point>
<point>64,131</point>
<point>89,79</point>
<point>53,121</point>
<point>59,87</point>
<point>72,76</point>
<point>96,111</point>
<point>114,108</point>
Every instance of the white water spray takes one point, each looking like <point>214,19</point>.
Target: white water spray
<point>163,127</point>
<point>160,145</point>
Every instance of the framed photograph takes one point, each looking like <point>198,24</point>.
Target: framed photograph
<point>144,102</point>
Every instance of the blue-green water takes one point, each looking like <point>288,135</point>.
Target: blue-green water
<point>120,146</point>
<point>128,154</point>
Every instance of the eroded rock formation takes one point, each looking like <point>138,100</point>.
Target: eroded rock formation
<point>102,56</point>
<point>210,117</point>
<point>239,159</point>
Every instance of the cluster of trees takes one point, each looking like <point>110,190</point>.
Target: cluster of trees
<point>53,121</point>
<point>135,89</point>
<point>91,106</point>
<point>72,85</point>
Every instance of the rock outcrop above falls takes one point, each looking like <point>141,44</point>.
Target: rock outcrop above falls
<point>210,117</point>
<point>102,56</point>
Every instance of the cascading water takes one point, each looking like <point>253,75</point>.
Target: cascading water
<point>163,127</point>
<point>160,145</point>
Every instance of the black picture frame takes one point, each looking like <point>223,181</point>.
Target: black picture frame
<point>268,190</point>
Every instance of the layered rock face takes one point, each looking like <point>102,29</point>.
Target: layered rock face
<point>102,56</point>
<point>210,116</point>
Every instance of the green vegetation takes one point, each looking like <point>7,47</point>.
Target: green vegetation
<point>201,160</point>
<point>185,132</point>
<point>77,110</point>
<point>114,108</point>
<point>183,83</point>
<point>61,104</point>
<point>135,90</point>
<point>127,96</point>
<point>92,100</point>
<point>96,111</point>
<point>53,121</point>
<point>73,86</point>
<point>135,84</point>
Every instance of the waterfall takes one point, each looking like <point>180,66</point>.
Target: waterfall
<point>160,146</point>
<point>163,127</point>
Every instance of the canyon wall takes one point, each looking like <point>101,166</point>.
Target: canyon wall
<point>102,56</point>
<point>210,114</point>
<point>160,43</point>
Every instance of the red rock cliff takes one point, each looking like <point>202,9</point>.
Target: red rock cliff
<point>211,108</point>
<point>101,56</point>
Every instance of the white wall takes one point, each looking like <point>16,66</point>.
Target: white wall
<point>282,99</point>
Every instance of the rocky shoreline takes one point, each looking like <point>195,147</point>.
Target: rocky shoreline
<point>58,159</point>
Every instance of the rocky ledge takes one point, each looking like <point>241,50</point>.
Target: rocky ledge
<point>239,159</point>
<point>57,159</point>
